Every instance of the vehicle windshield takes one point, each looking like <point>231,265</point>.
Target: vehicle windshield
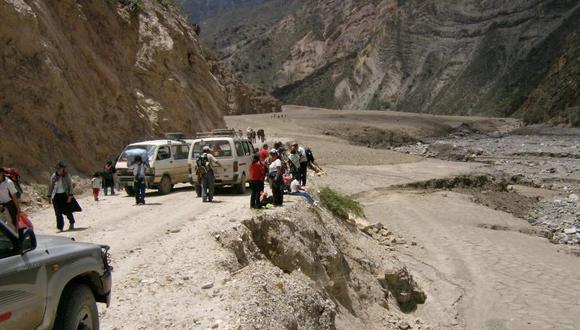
<point>150,149</point>
<point>219,148</point>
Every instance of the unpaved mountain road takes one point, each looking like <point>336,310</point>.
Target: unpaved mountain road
<point>475,278</point>
<point>163,253</point>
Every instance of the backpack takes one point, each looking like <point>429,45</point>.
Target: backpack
<point>309,155</point>
<point>202,164</point>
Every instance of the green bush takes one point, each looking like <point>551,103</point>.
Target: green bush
<point>339,205</point>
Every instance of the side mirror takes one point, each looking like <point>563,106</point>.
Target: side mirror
<point>27,240</point>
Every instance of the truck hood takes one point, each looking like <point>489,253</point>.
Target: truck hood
<point>49,242</point>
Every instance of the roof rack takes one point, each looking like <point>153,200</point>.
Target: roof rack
<point>230,132</point>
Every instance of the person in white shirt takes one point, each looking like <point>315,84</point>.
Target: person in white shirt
<point>297,190</point>
<point>275,178</point>
<point>139,183</point>
<point>8,200</point>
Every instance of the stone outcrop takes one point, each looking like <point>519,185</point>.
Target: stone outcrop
<point>81,79</point>
<point>488,58</point>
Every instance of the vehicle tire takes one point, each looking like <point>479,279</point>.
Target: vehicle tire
<point>198,190</point>
<point>241,187</point>
<point>130,191</point>
<point>77,309</point>
<point>165,185</point>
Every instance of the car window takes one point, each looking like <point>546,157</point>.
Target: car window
<point>180,151</point>
<point>239,148</point>
<point>219,148</point>
<point>6,246</point>
<point>164,152</point>
<point>247,150</point>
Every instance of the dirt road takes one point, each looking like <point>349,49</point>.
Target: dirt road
<point>163,253</point>
<point>170,273</point>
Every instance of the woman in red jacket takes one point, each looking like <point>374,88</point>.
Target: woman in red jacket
<point>257,175</point>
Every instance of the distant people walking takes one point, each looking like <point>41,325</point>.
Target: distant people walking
<point>109,178</point>
<point>139,179</point>
<point>275,178</point>
<point>60,192</point>
<point>204,168</point>
<point>257,176</point>
<point>8,200</point>
<point>96,183</point>
<point>264,153</point>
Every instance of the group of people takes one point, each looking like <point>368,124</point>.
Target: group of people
<point>105,180</point>
<point>284,169</point>
<point>255,135</point>
<point>60,193</point>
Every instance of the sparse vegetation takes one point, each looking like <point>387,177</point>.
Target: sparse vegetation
<point>339,205</point>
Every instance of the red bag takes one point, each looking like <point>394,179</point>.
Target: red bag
<point>23,221</point>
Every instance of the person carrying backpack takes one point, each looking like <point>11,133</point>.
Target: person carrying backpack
<point>8,199</point>
<point>204,170</point>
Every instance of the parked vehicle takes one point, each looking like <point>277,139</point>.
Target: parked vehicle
<point>51,282</point>
<point>167,160</point>
<point>232,151</point>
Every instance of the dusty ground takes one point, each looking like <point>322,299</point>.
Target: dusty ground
<point>172,269</point>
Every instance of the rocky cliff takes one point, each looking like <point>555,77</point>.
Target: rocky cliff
<point>200,10</point>
<point>456,57</point>
<point>80,79</point>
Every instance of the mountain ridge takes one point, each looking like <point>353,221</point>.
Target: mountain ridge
<point>479,58</point>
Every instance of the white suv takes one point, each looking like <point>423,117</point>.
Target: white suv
<point>167,161</point>
<point>232,151</point>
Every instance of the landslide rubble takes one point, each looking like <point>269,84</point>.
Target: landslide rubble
<point>300,268</point>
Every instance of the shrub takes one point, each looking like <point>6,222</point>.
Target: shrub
<point>339,205</point>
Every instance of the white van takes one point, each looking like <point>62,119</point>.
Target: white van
<point>232,151</point>
<point>167,161</point>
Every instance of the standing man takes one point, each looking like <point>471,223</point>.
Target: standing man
<point>264,153</point>
<point>109,178</point>
<point>205,164</point>
<point>8,199</point>
<point>303,163</point>
<point>139,182</point>
<point>60,192</point>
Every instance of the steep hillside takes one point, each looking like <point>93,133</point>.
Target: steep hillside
<point>80,79</point>
<point>469,57</point>
<point>200,10</point>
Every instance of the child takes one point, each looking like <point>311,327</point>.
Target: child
<point>96,184</point>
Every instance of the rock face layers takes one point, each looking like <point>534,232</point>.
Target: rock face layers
<point>468,57</point>
<point>80,79</point>
<point>199,10</point>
